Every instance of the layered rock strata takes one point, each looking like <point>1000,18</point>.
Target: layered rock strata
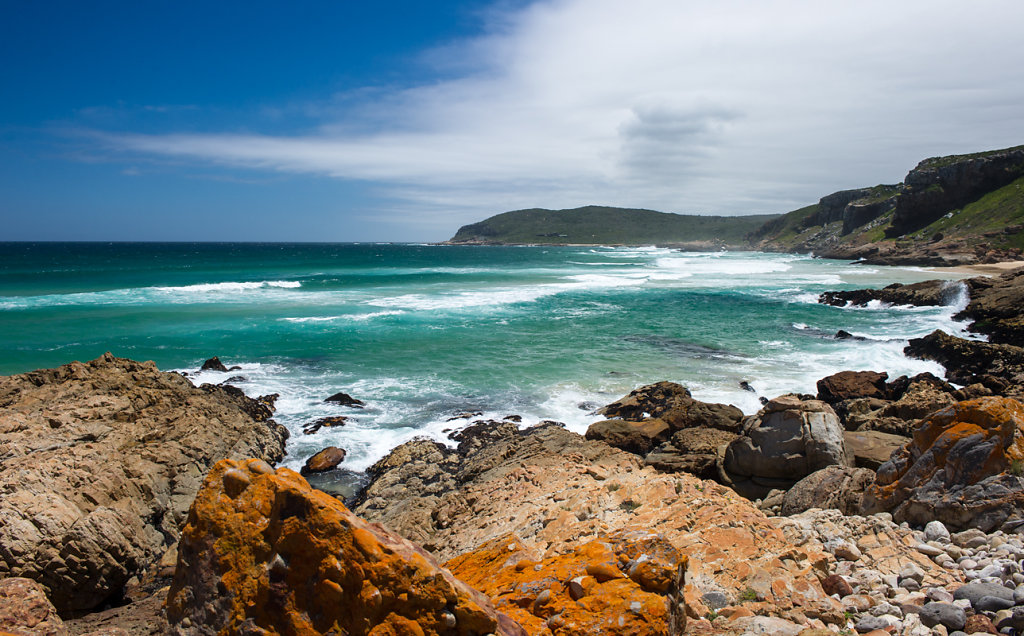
<point>263,552</point>
<point>100,462</point>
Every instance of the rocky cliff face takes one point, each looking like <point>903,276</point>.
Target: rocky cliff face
<point>100,462</point>
<point>941,184</point>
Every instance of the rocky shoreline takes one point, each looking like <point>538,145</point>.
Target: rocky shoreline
<point>136,503</point>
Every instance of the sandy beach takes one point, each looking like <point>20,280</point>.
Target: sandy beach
<point>987,269</point>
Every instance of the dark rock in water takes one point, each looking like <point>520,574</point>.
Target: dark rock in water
<point>344,399</point>
<point>513,418</point>
<point>837,487</point>
<point>341,483</point>
<point>237,379</point>
<point>235,368</point>
<point>929,293</point>
<point>1000,367</point>
<point>997,308</point>
<point>213,364</point>
<point>588,406</point>
<point>846,335</point>
<point>464,416</point>
<point>847,385</point>
<point>325,460</point>
<point>763,400</point>
<point>746,386</point>
<point>329,422</point>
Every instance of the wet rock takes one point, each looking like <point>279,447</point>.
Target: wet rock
<point>325,460</point>
<point>839,487</point>
<point>957,469</point>
<point>96,501</point>
<point>1000,367</point>
<point>328,422</point>
<point>24,609</point>
<point>996,307</point>
<point>309,566</point>
<point>213,364</point>
<point>344,399</point>
<point>924,294</point>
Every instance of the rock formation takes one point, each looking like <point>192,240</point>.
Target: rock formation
<point>963,468</point>
<point>784,442</point>
<point>100,462</point>
<point>265,553</point>
<point>24,609</point>
<point>555,492</point>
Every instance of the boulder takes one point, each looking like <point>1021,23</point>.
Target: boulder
<point>325,460</point>
<point>963,467</point>
<point>847,385</point>
<point>625,583</point>
<point>24,609</point>
<point>788,439</point>
<point>673,404</point>
<point>838,487</point>
<point>263,552</point>
<point>344,399</point>
<point>871,449</point>
<point>634,437</point>
<point>697,451</point>
<point>214,364</point>
<point>328,422</point>
<point>100,463</point>
<point>997,307</point>
<point>1000,367</point>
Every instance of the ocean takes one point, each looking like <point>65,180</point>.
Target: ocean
<point>424,333</point>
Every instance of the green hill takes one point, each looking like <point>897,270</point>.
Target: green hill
<point>609,226</point>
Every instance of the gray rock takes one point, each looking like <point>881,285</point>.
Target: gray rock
<point>871,623</point>
<point>992,604</point>
<point>1018,595</point>
<point>946,614</point>
<point>973,592</point>
<point>1014,621</point>
<point>936,531</point>
<point>715,600</point>
<point>838,487</point>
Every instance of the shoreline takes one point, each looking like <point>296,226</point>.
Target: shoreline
<point>981,269</point>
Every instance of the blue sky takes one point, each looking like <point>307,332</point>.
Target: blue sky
<point>354,121</point>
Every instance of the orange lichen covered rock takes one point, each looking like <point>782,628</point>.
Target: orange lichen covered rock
<point>265,553</point>
<point>629,583</point>
<point>962,467</point>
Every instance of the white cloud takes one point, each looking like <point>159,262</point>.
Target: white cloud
<point>716,107</point>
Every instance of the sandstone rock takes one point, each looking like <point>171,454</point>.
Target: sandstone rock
<point>979,624</point>
<point>100,463</point>
<point>788,439</point>
<point>24,609</point>
<point>956,469</point>
<point>556,491</point>
<point>847,385</point>
<point>673,404</point>
<point>264,551</point>
<point>697,451</point>
<point>835,584</point>
<point>838,487</point>
<point>634,437</point>
<point>639,592</point>
<point>871,449</point>
<point>325,460</point>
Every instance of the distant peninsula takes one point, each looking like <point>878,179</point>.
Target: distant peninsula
<point>953,210</point>
<point>598,225</point>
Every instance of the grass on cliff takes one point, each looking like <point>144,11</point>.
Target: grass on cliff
<point>999,213</point>
<point>938,162</point>
<point>606,225</point>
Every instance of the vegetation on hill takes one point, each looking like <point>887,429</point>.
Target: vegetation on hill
<point>607,225</point>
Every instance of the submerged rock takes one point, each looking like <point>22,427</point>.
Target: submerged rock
<point>264,552</point>
<point>344,399</point>
<point>100,464</point>
<point>213,364</point>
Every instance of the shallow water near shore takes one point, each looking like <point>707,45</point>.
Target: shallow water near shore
<point>423,333</point>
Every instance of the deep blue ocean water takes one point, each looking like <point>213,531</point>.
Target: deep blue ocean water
<point>422,333</point>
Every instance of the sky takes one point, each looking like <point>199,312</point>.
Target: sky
<point>402,121</point>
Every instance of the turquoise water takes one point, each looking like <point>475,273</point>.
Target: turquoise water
<point>422,333</point>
